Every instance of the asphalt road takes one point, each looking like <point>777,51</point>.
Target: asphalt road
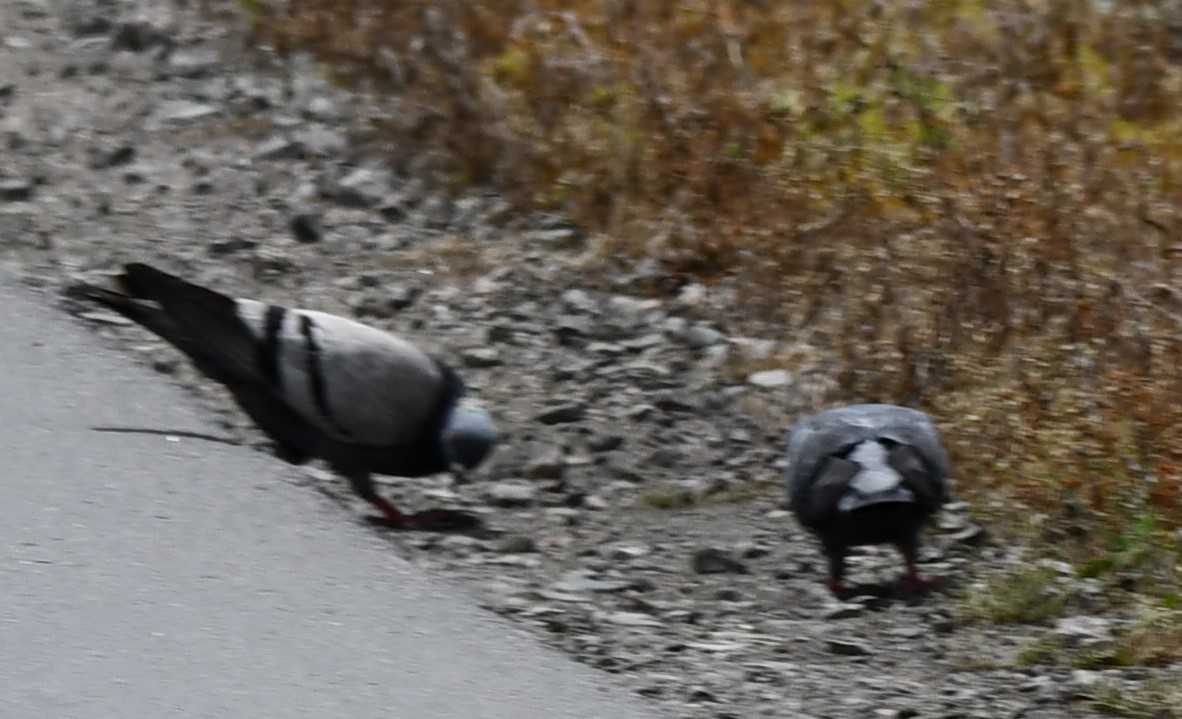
<point>143,578</point>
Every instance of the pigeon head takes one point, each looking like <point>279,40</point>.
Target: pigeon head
<point>468,437</point>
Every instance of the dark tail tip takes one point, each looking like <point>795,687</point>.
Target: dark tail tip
<point>92,293</point>
<point>140,280</point>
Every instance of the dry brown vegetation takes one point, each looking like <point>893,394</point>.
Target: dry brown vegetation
<point>975,204</point>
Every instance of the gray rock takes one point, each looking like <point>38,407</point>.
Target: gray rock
<point>664,457</point>
<point>480,357</point>
<point>229,246</point>
<point>1037,684</point>
<point>189,64</point>
<point>676,403</point>
<point>92,26</point>
<point>644,342</point>
<point>639,411</point>
<point>106,159</point>
<point>548,463</point>
<point>184,111</point>
<point>604,442</point>
<point>623,552</point>
<point>594,502</point>
<point>770,379</point>
<point>517,544</point>
<point>278,148</point>
<point>1085,680</point>
<point>511,493</point>
<point>400,295</point>
<point>728,594</point>
<point>435,212</point>
<point>572,329</point>
<point>621,467</point>
<point>1084,630</point>
<point>844,611</point>
<point>361,188</point>
<point>605,349</point>
<point>568,516</point>
<point>559,236</point>
<point>563,414</point>
<point>140,36</point>
<point>579,301</point>
<point>581,580</point>
<point>16,189</point>
<point>307,227</point>
<point>713,560</point>
<point>848,647</point>
<point>321,141</point>
<point>630,619</point>
<point>324,109</point>
<point>108,318</point>
<point>971,534</point>
<point>701,336</point>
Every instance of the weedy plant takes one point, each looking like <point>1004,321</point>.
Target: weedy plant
<point>1030,594</point>
<point>972,207</point>
<point>1151,700</point>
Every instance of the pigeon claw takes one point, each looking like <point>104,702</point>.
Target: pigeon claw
<point>443,520</point>
<point>913,582</point>
<point>839,589</point>
<point>432,520</point>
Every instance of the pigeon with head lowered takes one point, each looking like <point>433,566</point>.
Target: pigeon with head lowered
<point>319,385</point>
<point>866,474</point>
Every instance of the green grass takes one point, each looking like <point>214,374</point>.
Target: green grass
<point>1152,700</point>
<point>1027,595</point>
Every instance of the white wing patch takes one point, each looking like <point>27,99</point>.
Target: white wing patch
<point>876,475</point>
<point>253,314</point>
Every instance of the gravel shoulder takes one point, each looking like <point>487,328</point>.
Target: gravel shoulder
<point>144,131</point>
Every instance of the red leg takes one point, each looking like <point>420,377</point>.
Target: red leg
<point>913,580</point>
<point>835,554</point>
<point>390,514</point>
<point>839,589</point>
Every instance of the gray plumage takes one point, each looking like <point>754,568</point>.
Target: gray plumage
<point>866,474</point>
<point>320,385</point>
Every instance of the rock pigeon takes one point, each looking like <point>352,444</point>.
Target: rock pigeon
<point>866,474</point>
<point>319,385</point>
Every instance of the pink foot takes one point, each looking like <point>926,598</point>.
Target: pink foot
<point>839,589</point>
<point>431,519</point>
<point>916,582</point>
<point>913,581</point>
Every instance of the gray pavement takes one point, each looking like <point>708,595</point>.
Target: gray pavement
<point>147,578</point>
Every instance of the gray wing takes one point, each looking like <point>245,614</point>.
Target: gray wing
<point>356,383</point>
<point>929,487</point>
<point>920,456</point>
<point>817,501</point>
<point>811,441</point>
<point>914,428</point>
